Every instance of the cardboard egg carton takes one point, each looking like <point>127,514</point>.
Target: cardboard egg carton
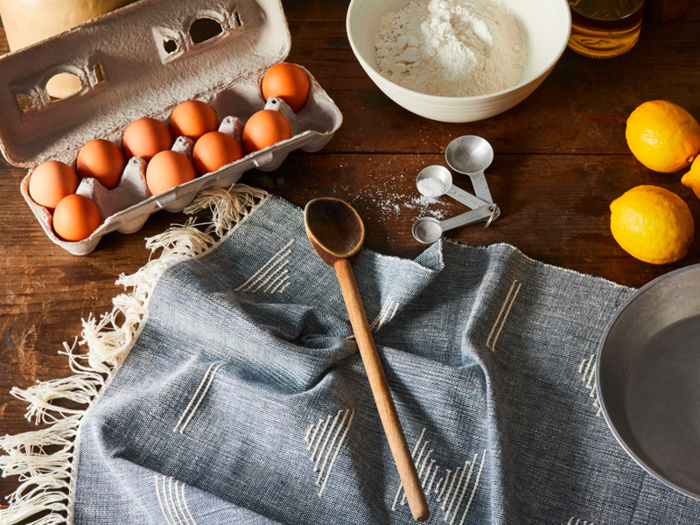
<point>142,61</point>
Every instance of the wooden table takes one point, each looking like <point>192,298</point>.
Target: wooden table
<point>561,158</point>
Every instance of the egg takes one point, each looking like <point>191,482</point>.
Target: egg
<point>214,150</point>
<point>168,169</point>
<point>50,182</point>
<point>76,217</point>
<point>193,119</point>
<point>265,128</point>
<point>288,82</point>
<point>102,160</point>
<point>145,137</point>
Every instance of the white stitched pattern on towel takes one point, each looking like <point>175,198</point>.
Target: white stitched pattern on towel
<point>427,474</point>
<point>272,275</point>
<point>160,501</point>
<point>385,315</point>
<point>578,521</point>
<point>503,315</point>
<point>437,487</point>
<point>328,454</point>
<point>452,488</point>
<point>449,490</point>
<point>444,484</point>
<point>325,455</point>
<point>172,501</point>
<point>325,443</point>
<point>335,454</point>
<point>308,433</point>
<point>312,438</point>
<point>198,396</point>
<point>476,485</point>
<point>187,507</point>
<point>432,480</point>
<point>464,490</point>
<point>189,520</point>
<point>459,484</point>
<point>320,438</point>
<point>587,371</point>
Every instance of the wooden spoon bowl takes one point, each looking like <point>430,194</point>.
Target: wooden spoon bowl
<point>335,229</point>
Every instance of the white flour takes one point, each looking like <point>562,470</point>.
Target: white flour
<point>452,48</point>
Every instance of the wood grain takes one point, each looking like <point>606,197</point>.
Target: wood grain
<point>580,109</point>
<point>337,233</point>
<point>561,158</point>
<point>555,207</point>
<point>382,394</point>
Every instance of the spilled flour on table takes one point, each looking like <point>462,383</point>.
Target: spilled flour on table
<point>452,48</point>
<point>388,198</point>
<point>388,203</point>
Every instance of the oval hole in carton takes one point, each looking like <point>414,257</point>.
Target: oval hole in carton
<point>63,85</point>
<point>170,46</point>
<point>204,29</point>
<point>237,18</point>
<point>99,72</point>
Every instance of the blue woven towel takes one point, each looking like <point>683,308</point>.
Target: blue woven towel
<point>244,399</point>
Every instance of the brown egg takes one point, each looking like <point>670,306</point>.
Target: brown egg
<point>50,182</point>
<point>168,169</point>
<point>76,217</point>
<point>288,82</point>
<point>145,137</point>
<point>193,119</point>
<point>102,160</point>
<point>265,128</point>
<point>214,150</point>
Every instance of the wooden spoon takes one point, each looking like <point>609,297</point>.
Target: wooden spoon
<point>337,233</point>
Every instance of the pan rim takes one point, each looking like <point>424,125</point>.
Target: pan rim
<point>601,398</point>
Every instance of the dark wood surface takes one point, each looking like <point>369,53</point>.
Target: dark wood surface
<point>561,158</point>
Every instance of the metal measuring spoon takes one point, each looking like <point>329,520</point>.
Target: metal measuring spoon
<point>428,230</point>
<point>471,155</point>
<point>443,176</point>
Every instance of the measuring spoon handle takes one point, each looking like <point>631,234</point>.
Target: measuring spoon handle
<point>470,217</point>
<point>465,198</point>
<point>481,187</point>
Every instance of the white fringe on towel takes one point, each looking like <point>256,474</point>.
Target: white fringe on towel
<point>48,479</point>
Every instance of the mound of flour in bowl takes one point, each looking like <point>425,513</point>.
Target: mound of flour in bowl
<point>452,48</point>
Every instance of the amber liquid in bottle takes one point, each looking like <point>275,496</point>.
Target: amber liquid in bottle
<point>605,28</point>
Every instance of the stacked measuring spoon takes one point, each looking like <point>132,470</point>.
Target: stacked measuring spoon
<point>469,155</point>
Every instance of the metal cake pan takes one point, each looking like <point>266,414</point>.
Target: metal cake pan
<point>648,378</point>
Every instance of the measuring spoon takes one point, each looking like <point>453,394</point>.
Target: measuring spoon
<point>471,155</point>
<point>428,230</point>
<point>444,177</point>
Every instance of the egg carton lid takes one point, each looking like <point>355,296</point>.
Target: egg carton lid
<point>140,60</point>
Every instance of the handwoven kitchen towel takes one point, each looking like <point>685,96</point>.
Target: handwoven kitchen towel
<point>244,399</point>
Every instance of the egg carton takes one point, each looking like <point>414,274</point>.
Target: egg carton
<point>142,61</point>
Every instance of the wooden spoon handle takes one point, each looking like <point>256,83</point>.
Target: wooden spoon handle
<point>380,390</point>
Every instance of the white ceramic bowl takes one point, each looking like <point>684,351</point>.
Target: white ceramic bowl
<point>547,26</point>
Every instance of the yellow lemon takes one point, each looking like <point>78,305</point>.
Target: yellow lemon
<point>692,178</point>
<point>663,136</point>
<point>652,224</point>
